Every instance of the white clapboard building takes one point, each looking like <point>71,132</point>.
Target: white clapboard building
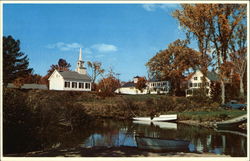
<point>195,81</point>
<point>77,80</point>
<point>153,86</point>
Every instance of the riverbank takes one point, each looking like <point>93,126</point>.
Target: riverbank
<point>68,107</point>
<point>32,113</point>
<point>123,151</point>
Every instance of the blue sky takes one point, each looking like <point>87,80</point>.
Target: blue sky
<point>121,36</point>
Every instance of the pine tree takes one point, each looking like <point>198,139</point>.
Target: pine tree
<point>15,62</point>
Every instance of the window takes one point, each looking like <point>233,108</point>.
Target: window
<point>195,84</point>
<point>74,85</point>
<point>189,92</point>
<point>207,84</point>
<point>199,84</point>
<point>81,85</point>
<point>67,84</point>
<point>195,78</point>
<point>207,91</point>
<point>87,85</point>
<point>190,84</point>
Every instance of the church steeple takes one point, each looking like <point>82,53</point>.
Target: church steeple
<point>80,64</point>
<point>80,54</point>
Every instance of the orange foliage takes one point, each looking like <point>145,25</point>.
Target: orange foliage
<point>141,83</point>
<point>107,86</point>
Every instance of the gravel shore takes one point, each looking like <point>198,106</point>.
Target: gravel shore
<point>111,152</point>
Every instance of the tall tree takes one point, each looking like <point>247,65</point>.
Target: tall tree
<point>238,55</point>
<point>15,62</point>
<point>194,18</point>
<point>224,21</point>
<point>172,63</point>
<point>216,23</point>
<point>96,69</point>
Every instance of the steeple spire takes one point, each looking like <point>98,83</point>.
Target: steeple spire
<point>80,64</point>
<point>80,54</point>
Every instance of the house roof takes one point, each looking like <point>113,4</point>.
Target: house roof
<point>155,80</point>
<point>29,86</point>
<point>212,76</point>
<point>129,84</point>
<point>72,75</point>
<point>189,76</point>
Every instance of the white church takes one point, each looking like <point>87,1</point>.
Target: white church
<point>77,80</point>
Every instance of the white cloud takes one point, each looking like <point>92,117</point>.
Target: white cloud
<point>103,48</point>
<point>165,7</point>
<point>64,46</point>
<point>149,7</point>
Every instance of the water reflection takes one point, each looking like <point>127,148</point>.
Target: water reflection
<point>123,133</point>
<point>113,133</point>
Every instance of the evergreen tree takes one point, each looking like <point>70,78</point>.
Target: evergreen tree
<point>15,62</point>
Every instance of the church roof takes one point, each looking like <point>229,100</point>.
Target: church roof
<point>72,75</point>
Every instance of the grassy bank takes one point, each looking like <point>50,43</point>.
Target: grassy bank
<point>68,105</point>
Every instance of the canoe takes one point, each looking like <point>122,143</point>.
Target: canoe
<point>160,118</point>
<point>156,144</point>
<point>232,123</point>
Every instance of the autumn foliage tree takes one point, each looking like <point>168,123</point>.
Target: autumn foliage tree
<point>193,18</point>
<point>28,79</point>
<point>238,55</point>
<point>173,62</point>
<point>213,25</point>
<point>141,83</point>
<point>107,86</point>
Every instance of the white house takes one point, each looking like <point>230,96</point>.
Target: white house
<point>152,87</point>
<point>129,88</point>
<point>77,80</point>
<point>194,81</point>
<point>158,87</point>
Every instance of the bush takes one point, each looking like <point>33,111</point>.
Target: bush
<point>182,104</point>
<point>200,96</point>
<point>126,108</point>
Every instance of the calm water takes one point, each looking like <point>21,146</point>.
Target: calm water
<point>122,133</point>
<point>113,133</point>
